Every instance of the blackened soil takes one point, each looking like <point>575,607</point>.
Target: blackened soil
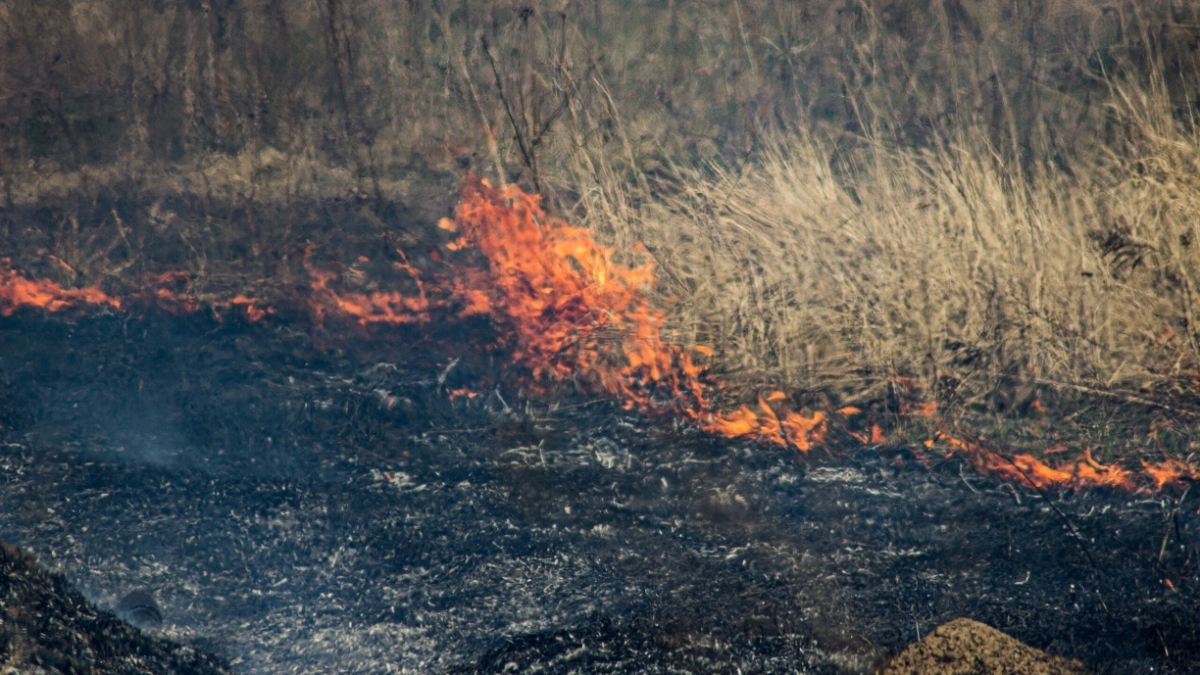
<point>332,509</point>
<point>46,626</point>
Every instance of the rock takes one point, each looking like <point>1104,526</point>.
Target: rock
<point>48,627</point>
<point>140,609</point>
<point>966,647</point>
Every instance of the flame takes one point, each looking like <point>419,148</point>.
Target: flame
<point>378,307</point>
<point>875,437</point>
<point>805,432</point>
<point>742,422</point>
<point>795,429</point>
<point>250,307</point>
<point>18,292</point>
<point>572,312</point>
<point>156,290</point>
<point>1082,472</point>
<point>1170,472</point>
<point>389,307</point>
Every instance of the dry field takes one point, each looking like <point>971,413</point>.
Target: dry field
<point>988,205</point>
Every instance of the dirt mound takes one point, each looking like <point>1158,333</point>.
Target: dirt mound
<point>966,647</point>
<point>48,627</point>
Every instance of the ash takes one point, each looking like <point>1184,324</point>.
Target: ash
<point>302,509</point>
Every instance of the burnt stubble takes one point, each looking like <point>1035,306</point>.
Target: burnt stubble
<point>322,504</point>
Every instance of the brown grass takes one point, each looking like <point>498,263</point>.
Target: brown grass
<point>943,264</point>
<point>988,263</point>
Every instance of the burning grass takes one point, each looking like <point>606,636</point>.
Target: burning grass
<point>572,313</point>
<point>18,292</point>
<point>567,312</point>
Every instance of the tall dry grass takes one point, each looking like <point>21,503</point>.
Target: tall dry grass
<point>994,201</point>
<point>985,279</point>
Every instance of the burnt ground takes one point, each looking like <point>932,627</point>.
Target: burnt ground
<point>46,626</point>
<point>295,504</point>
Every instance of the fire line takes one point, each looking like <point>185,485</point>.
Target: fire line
<point>569,312</point>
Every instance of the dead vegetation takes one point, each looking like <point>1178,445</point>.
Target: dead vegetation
<point>947,264</point>
<point>1003,243</point>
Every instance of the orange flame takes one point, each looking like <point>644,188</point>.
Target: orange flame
<point>1170,471</point>
<point>18,292</point>
<point>1083,472</point>
<point>875,437</point>
<point>805,432</point>
<point>575,313</point>
<point>379,307</point>
<point>389,307</point>
<point>572,311</point>
<point>156,290</point>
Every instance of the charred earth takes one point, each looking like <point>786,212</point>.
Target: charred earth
<point>293,503</point>
<point>48,627</point>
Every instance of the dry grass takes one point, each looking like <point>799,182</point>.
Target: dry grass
<point>969,196</point>
<point>981,279</point>
<point>382,91</point>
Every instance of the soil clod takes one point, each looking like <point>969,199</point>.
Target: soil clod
<point>968,647</point>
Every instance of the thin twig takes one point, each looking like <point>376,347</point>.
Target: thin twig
<point>1172,519</point>
<point>518,132</point>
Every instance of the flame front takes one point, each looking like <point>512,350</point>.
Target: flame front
<point>573,313</point>
<point>18,292</point>
<point>1083,472</point>
<point>569,312</point>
